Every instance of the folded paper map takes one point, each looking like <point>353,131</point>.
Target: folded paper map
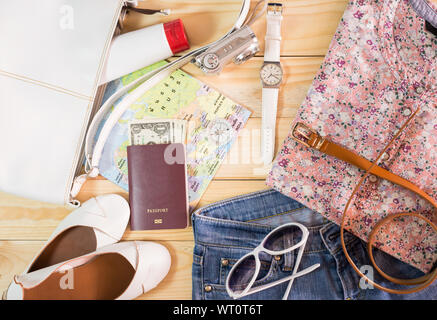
<point>213,124</point>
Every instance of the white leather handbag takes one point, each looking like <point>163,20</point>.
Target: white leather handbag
<point>51,59</point>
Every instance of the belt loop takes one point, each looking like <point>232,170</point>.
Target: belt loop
<point>289,257</point>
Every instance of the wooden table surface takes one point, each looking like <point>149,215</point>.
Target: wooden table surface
<point>307,29</point>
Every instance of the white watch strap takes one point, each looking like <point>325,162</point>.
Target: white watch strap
<point>268,123</point>
<point>272,51</point>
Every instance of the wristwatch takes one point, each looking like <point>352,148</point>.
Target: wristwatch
<point>271,77</point>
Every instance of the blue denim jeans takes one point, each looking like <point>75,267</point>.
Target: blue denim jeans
<point>227,230</point>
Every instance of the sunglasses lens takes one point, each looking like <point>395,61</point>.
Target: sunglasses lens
<point>283,238</point>
<point>242,274</point>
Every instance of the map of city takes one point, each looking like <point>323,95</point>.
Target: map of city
<point>213,124</point>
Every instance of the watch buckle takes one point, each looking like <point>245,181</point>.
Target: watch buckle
<point>274,8</point>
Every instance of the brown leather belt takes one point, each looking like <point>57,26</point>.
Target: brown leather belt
<point>310,138</point>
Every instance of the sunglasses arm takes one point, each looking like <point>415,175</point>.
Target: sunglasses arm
<point>275,283</point>
<point>296,266</point>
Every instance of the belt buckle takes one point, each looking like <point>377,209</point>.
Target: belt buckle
<point>304,134</point>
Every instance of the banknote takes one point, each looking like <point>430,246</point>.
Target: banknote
<point>157,131</point>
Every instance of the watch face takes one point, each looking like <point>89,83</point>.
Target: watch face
<point>271,74</point>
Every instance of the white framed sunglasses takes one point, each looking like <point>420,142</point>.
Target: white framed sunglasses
<point>241,278</point>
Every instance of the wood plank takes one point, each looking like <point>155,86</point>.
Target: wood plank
<point>242,84</point>
<point>24,219</point>
<point>307,29</point>
<point>16,255</point>
<point>217,190</point>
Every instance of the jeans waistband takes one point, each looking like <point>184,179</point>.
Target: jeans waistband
<point>245,220</point>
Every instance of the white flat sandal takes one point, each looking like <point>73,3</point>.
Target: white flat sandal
<point>122,271</point>
<point>98,222</point>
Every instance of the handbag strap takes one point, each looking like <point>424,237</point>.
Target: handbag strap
<point>94,147</point>
<point>310,138</point>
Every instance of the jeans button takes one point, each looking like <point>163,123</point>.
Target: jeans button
<point>225,262</point>
<point>208,288</point>
<point>277,258</point>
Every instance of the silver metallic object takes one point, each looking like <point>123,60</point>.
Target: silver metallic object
<point>239,46</point>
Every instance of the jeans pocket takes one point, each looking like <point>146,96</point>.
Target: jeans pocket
<point>267,268</point>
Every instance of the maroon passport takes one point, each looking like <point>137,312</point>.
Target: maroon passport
<point>158,193</point>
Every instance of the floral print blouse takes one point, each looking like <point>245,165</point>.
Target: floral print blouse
<point>380,67</point>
